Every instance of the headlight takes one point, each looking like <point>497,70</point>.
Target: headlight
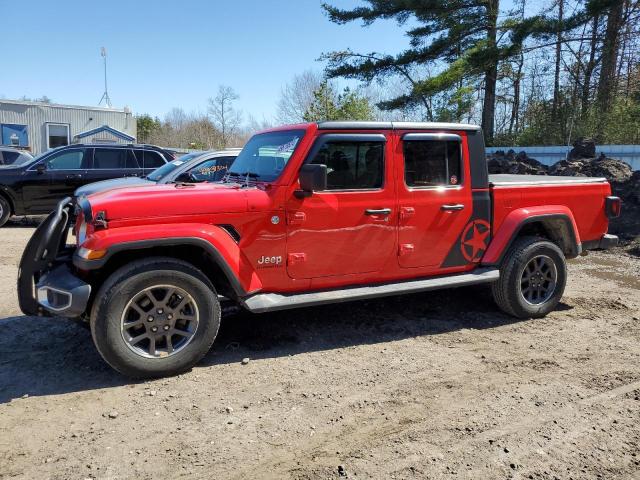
<point>82,232</point>
<point>89,254</point>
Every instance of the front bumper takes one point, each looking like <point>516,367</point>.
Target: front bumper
<point>46,285</point>
<point>61,293</point>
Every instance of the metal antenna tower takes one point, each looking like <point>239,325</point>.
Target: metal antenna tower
<point>105,95</point>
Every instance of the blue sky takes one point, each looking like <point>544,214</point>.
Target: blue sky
<point>165,54</point>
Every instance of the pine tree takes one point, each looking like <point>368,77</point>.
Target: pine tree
<point>324,105</point>
<point>465,39</point>
<point>353,106</point>
<point>328,105</point>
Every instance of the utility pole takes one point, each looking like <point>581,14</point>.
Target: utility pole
<point>105,95</point>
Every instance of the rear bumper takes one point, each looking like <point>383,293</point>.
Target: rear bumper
<point>61,293</point>
<point>607,241</point>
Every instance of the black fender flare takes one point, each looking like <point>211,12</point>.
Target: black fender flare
<point>559,226</point>
<point>89,265</point>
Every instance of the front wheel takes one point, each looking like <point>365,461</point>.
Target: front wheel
<point>533,275</point>
<point>155,317</point>
<point>5,211</point>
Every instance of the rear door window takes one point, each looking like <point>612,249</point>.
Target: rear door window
<point>432,163</point>
<point>109,159</point>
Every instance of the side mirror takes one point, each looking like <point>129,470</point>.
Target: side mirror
<point>185,177</point>
<point>313,177</point>
<point>41,168</point>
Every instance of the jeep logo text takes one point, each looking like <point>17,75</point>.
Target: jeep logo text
<point>270,261</point>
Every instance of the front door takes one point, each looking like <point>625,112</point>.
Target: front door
<point>55,177</point>
<point>434,196</point>
<point>349,228</point>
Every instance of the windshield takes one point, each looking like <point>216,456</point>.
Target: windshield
<point>23,159</point>
<point>38,157</point>
<point>266,154</point>
<point>167,168</point>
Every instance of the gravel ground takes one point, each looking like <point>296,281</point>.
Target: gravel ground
<point>437,385</point>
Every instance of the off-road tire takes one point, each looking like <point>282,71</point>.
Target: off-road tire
<point>126,282</point>
<point>5,211</point>
<point>507,291</point>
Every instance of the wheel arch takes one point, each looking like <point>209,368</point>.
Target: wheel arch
<point>555,224</point>
<point>214,252</point>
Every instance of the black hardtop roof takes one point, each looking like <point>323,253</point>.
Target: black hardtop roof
<point>355,125</point>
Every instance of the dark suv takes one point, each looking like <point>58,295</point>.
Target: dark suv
<point>35,187</point>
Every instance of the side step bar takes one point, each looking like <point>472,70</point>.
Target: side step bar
<point>268,302</point>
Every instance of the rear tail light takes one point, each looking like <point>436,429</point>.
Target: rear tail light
<point>612,206</point>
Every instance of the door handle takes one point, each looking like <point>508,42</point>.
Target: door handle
<point>451,208</point>
<point>74,176</point>
<point>379,211</point>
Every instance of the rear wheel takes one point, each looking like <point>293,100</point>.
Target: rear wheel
<point>533,275</point>
<point>5,211</point>
<point>155,317</point>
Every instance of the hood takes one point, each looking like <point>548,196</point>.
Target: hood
<point>105,185</point>
<point>170,200</point>
<point>12,169</point>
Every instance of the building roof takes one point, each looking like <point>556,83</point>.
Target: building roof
<point>58,105</point>
<point>106,128</point>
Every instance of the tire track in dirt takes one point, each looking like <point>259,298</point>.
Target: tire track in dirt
<point>367,431</point>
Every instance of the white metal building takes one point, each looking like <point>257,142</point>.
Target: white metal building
<point>38,126</point>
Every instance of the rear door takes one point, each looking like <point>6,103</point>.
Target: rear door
<point>350,227</point>
<point>111,163</point>
<point>434,196</point>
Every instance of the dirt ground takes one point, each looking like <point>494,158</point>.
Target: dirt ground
<point>437,385</point>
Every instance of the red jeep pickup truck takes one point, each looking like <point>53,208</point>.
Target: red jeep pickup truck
<point>308,214</point>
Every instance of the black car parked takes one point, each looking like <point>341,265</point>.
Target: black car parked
<point>35,187</point>
<point>196,167</point>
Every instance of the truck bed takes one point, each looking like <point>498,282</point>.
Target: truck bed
<point>584,196</point>
<point>500,180</point>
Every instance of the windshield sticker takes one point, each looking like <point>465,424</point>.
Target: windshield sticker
<point>288,147</point>
<point>211,169</point>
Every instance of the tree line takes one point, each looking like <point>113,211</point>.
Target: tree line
<point>541,72</point>
<point>530,72</point>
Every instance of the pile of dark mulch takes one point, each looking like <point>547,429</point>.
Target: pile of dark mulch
<point>583,162</point>
<point>510,162</point>
<point>616,171</point>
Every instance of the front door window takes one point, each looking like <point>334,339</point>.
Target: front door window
<point>68,160</point>
<point>352,165</point>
